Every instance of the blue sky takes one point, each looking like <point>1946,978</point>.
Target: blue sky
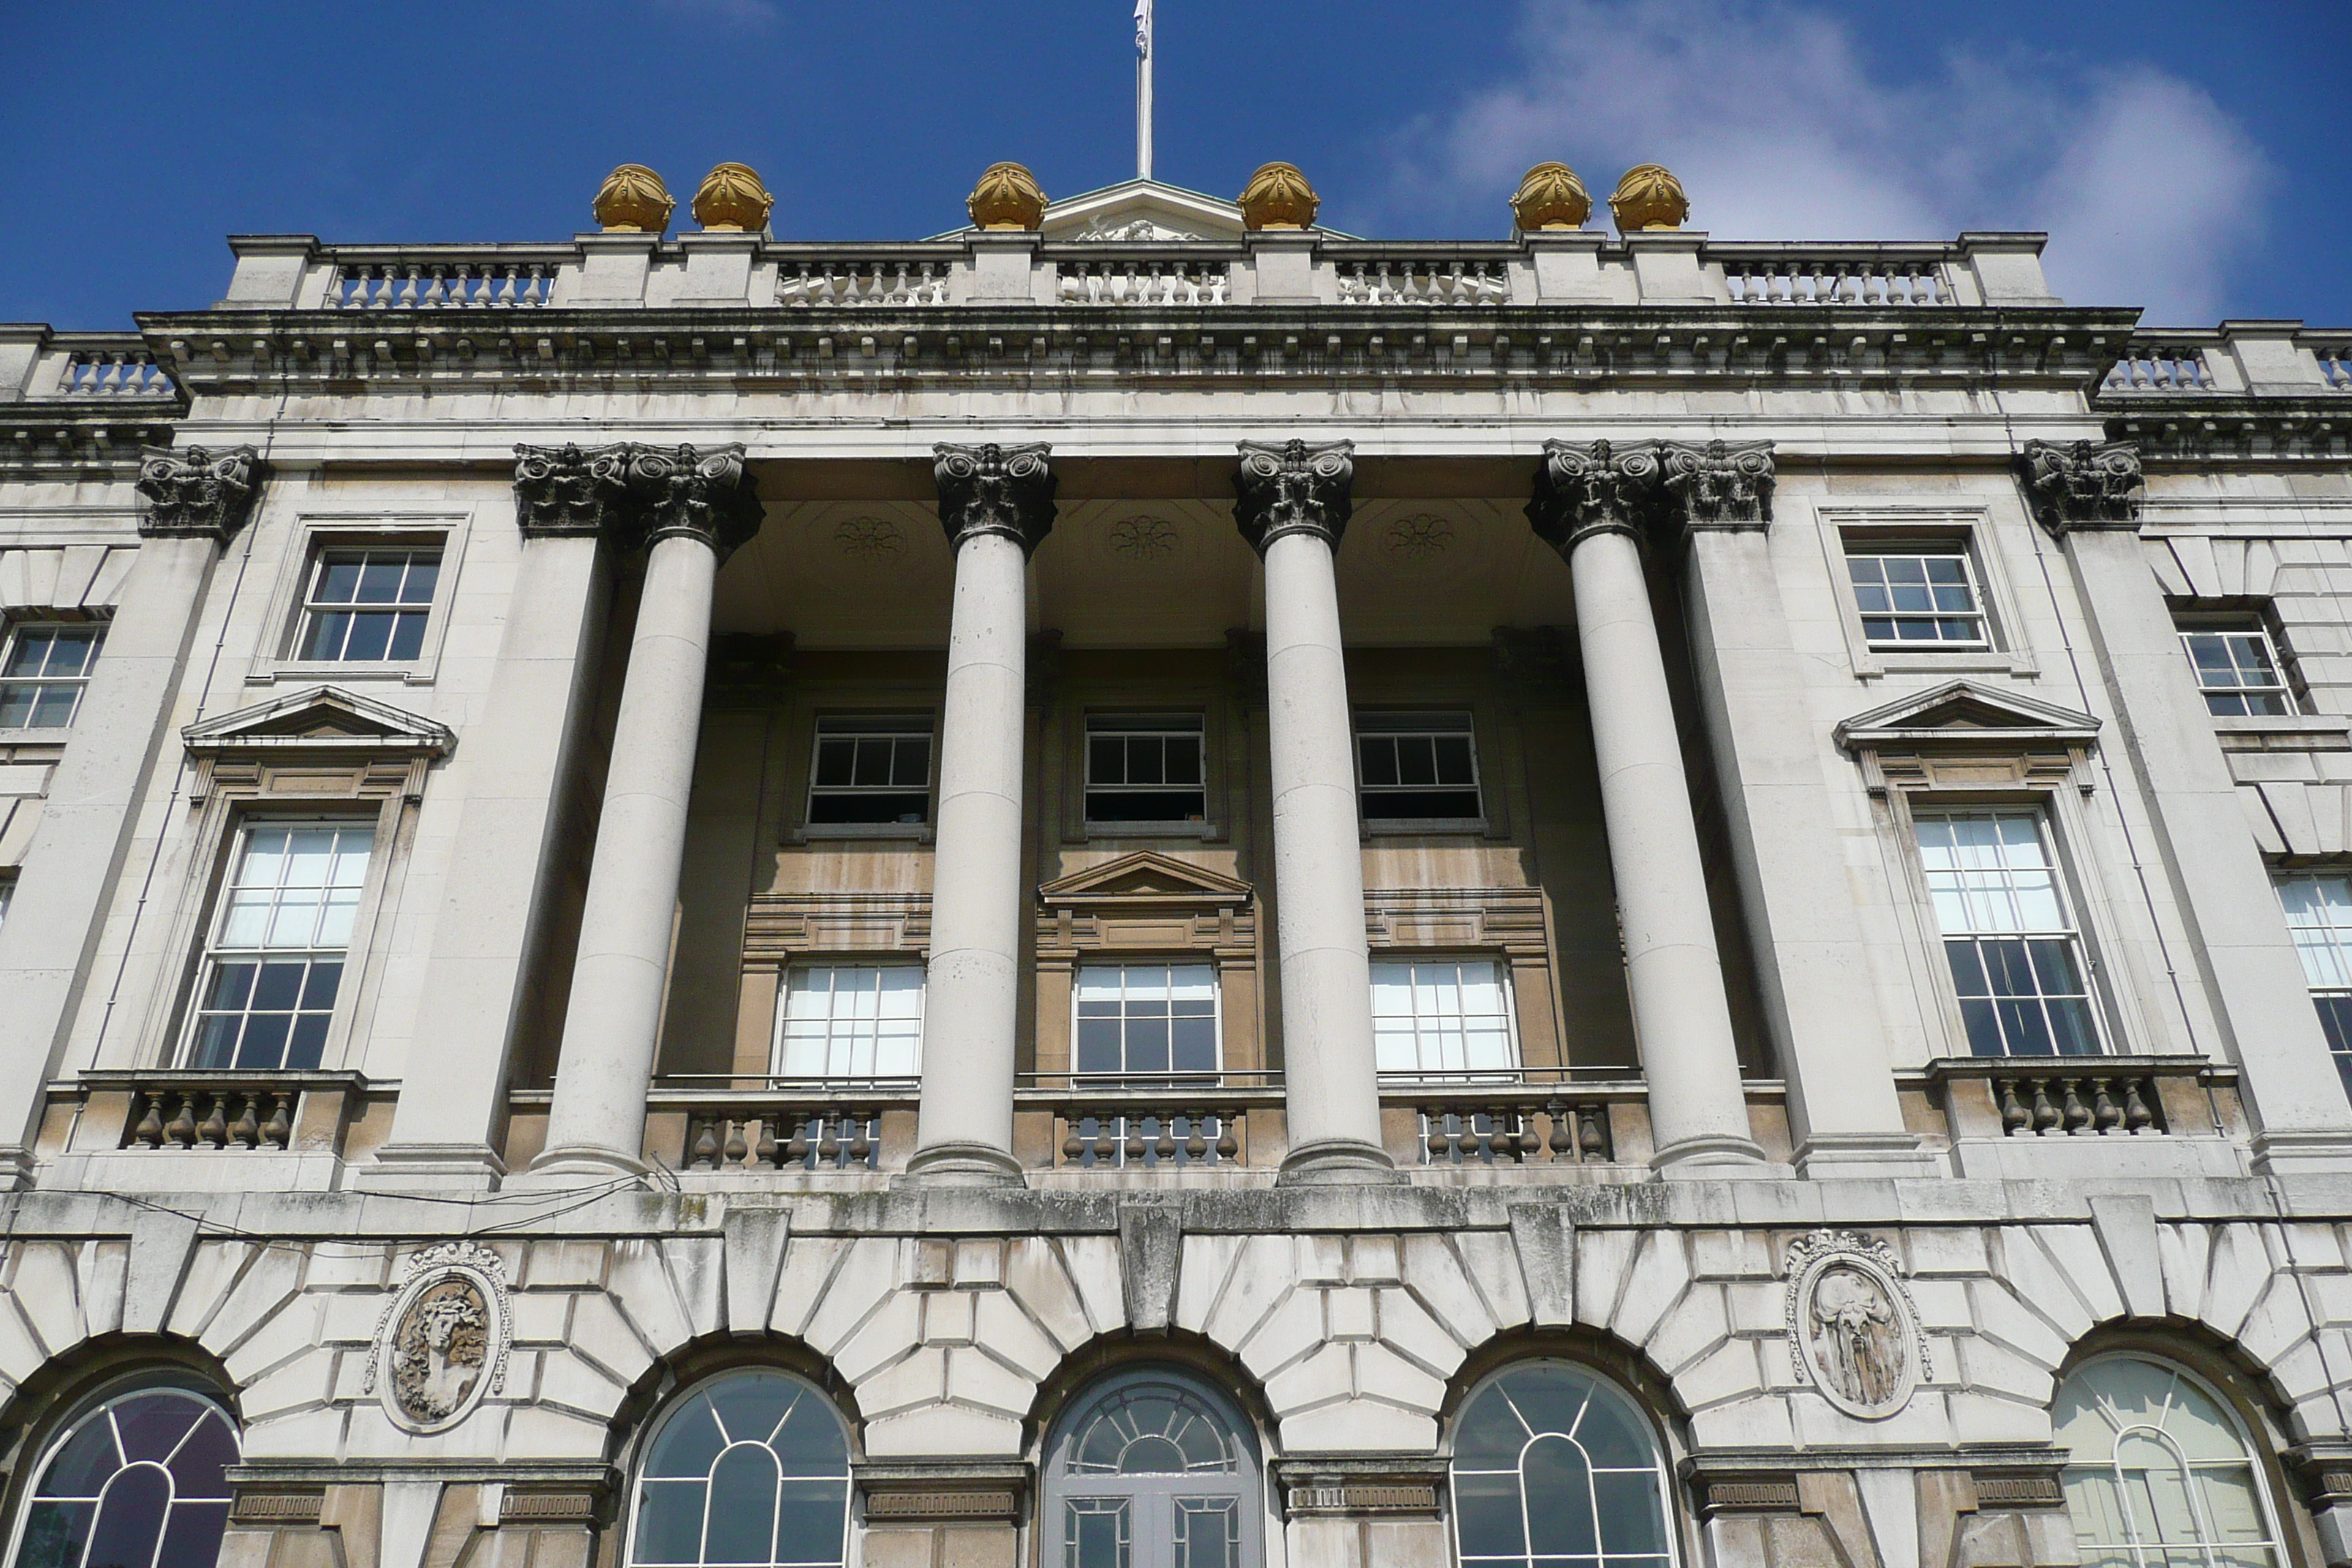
<point>2188,158</point>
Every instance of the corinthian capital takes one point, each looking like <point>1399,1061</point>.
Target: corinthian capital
<point>570,489</point>
<point>198,493</point>
<point>995,489</point>
<point>1597,487</point>
<point>701,492</point>
<point>2082,484</point>
<point>632,493</point>
<point>1294,488</point>
<point>1722,484</point>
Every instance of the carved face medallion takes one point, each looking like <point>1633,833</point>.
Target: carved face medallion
<point>441,1343</point>
<point>1853,1330</point>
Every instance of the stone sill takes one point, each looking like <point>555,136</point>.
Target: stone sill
<point>2295,732</point>
<point>912,832</point>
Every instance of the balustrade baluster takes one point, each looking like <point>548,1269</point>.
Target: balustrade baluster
<point>2078,1115</point>
<point>150,1125</point>
<point>2138,1117</point>
<point>861,1146</point>
<point>763,1152</point>
<point>796,1147</point>
<point>246,1131</point>
<point>735,1147</point>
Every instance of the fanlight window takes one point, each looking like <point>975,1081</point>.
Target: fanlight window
<point>137,1482</point>
<point>2158,1474</point>
<point>1151,1471</point>
<point>1553,1466</point>
<point>751,1471</point>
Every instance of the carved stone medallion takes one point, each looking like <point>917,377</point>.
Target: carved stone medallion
<point>869,538</point>
<point>1419,537</point>
<point>441,1342</point>
<point>1854,1329</point>
<point>1138,540</point>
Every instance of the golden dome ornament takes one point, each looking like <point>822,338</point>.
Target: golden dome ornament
<point>1007,200</point>
<point>633,200</point>
<point>1278,196</point>
<point>732,200</point>
<point>1550,199</point>
<point>1649,197</point>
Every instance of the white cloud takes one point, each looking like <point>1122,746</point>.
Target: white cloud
<point>1780,129</point>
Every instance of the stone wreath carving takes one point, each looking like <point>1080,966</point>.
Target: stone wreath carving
<point>1854,1330</point>
<point>441,1342</point>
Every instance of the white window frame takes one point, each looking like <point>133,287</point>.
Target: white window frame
<point>1131,723</point>
<point>1421,1072</point>
<point>784,992</point>
<point>309,540</point>
<point>15,628</point>
<point>2069,931</point>
<point>2284,688</point>
<point>1869,525</point>
<point>314,608</point>
<point>1945,548</point>
<point>1407,724</point>
<point>216,918</point>
<point>2330,954</point>
<point>1123,961</point>
<point>883,726</point>
<point>2257,1452</point>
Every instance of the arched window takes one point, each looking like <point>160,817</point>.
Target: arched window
<point>1152,1469</point>
<point>134,1481</point>
<point>2158,1472</point>
<point>751,1469</point>
<point>1552,1464</point>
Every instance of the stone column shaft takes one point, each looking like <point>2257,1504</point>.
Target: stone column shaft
<point>614,1018</point>
<point>1589,501</point>
<point>699,505</point>
<point>1294,506</point>
<point>197,500</point>
<point>996,503</point>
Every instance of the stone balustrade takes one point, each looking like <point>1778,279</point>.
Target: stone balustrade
<point>193,1111</point>
<point>2086,1096</point>
<point>703,269</point>
<point>1524,1126</point>
<point>2237,358</point>
<point>39,365</point>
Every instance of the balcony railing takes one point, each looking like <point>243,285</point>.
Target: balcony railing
<point>2085,1097</point>
<point>282,272</point>
<point>166,1110</point>
<point>2157,366</point>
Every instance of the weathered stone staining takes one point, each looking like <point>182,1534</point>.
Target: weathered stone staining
<point>1735,861</point>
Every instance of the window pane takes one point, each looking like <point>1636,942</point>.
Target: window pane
<point>777,1494</point>
<point>1916,597</point>
<point>1146,1018</point>
<point>1433,1017</point>
<point>850,1021</point>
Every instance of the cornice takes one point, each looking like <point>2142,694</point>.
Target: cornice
<point>2201,429</point>
<point>55,439</point>
<point>217,352</point>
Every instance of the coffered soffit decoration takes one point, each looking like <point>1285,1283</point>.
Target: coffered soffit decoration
<point>321,720</point>
<point>1963,735</point>
<point>1143,880</point>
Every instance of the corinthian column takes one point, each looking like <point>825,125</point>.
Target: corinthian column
<point>996,504</point>
<point>1587,505</point>
<point>1293,506</point>
<point>696,508</point>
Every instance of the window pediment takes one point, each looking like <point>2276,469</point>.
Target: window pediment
<point>1148,880</point>
<point>324,730</point>
<point>1961,734</point>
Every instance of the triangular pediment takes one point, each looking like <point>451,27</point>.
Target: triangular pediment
<point>1145,877</point>
<point>321,719</point>
<point>1964,710</point>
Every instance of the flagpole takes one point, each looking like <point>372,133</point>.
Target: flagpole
<point>1143,89</point>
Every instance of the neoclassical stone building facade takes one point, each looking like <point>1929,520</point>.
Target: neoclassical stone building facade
<point>1146,886</point>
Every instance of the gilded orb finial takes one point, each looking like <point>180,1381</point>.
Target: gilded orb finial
<point>1551,196</point>
<point>1649,197</point>
<point>633,200</point>
<point>1278,196</point>
<point>1007,199</point>
<point>732,200</point>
